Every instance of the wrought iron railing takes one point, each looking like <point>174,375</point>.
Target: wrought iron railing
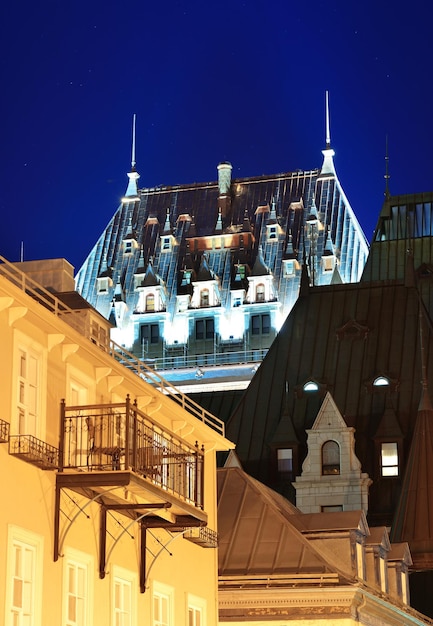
<point>77,320</point>
<point>202,536</point>
<point>115,437</point>
<point>4,431</point>
<point>208,359</point>
<point>35,451</point>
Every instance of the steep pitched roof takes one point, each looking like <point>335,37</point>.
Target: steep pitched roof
<point>255,532</point>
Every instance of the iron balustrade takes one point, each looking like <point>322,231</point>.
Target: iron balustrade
<point>116,437</point>
<point>35,451</point>
<point>4,431</point>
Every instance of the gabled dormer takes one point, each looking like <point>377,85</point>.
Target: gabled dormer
<point>206,292</point>
<point>152,291</point>
<point>261,286</point>
<point>331,479</point>
<point>104,281</point>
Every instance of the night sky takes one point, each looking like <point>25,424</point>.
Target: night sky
<point>209,81</point>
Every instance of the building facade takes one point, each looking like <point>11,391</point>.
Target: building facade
<point>203,275</point>
<point>369,346</point>
<point>109,485</point>
<point>278,565</point>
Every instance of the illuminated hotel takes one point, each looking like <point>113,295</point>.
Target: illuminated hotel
<point>203,275</point>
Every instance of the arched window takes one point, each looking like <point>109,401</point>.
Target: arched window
<point>204,297</point>
<point>260,293</point>
<point>150,302</point>
<point>311,386</point>
<point>330,458</point>
<point>381,381</point>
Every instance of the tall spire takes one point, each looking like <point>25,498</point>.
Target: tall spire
<point>131,194</point>
<point>328,152</point>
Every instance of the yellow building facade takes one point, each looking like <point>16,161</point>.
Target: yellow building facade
<point>108,483</point>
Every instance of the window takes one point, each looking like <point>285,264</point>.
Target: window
<point>289,267</point>
<point>103,284</point>
<point>330,458</point>
<point>285,462</point>
<point>186,278</point>
<point>331,508</point>
<point>389,459</point>
<point>166,244</point>
<point>205,328</point>
<point>204,297</point>
<point>123,603</point>
<point>150,302</point>
<point>28,375</point>
<point>272,232</point>
<point>239,272</point>
<point>196,611</point>
<point>328,263</point>
<point>76,582</point>
<point>381,381</point>
<point>24,578</point>
<point>261,324</point>
<point>162,604</point>
<point>195,617</point>
<point>236,301</point>
<point>149,333</point>
<point>260,293</point>
<point>311,386</point>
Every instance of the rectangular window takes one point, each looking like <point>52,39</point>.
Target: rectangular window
<point>195,616</point>
<point>261,324</point>
<point>122,602</point>
<point>285,462</point>
<point>76,599</point>
<point>389,459</point>
<point>196,611</point>
<point>149,333</point>
<point>205,328</point>
<point>28,381</point>
<point>161,609</point>
<point>23,578</point>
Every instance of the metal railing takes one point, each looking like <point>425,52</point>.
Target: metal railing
<point>114,437</point>
<point>77,320</point>
<point>4,431</point>
<point>34,451</point>
<point>210,359</point>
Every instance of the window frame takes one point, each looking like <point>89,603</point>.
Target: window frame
<point>84,562</point>
<point>390,466</point>
<point>330,468</point>
<point>162,592</point>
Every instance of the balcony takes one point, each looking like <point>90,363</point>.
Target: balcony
<point>35,451</point>
<point>4,431</point>
<point>118,445</point>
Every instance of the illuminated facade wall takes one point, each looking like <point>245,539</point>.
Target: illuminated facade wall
<point>98,526</point>
<point>205,274</point>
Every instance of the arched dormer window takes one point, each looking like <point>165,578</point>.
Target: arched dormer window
<point>311,386</point>
<point>330,458</point>
<point>260,293</point>
<point>204,297</point>
<point>150,302</point>
<point>381,381</point>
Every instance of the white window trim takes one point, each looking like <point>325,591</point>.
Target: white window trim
<point>86,561</point>
<point>198,603</point>
<point>36,543</point>
<point>120,574</point>
<point>24,343</point>
<point>161,589</point>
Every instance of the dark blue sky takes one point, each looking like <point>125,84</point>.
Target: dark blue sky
<point>209,81</point>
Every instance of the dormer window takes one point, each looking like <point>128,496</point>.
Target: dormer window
<point>330,458</point>
<point>311,386</point>
<point>285,463</point>
<point>186,278</point>
<point>150,302</point>
<point>328,263</point>
<point>166,243</point>
<point>204,297</point>
<point>290,266</point>
<point>240,272</point>
<point>129,245</point>
<point>381,381</point>
<point>236,301</point>
<point>272,232</point>
<point>389,459</point>
<point>260,293</point>
<point>103,284</point>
